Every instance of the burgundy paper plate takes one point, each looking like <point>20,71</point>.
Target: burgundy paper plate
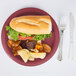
<point>53,41</point>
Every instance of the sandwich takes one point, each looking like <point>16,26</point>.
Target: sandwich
<point>29,27</point>
<point>25,34</point>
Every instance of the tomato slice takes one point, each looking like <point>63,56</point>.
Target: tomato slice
<point>24,38</point>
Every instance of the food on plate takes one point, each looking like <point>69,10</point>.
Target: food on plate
<point>31,44</point>
<point>31,58</point>
<point>25,34</point>
<point>35,50</point>
<point>27,55</point>
<point>39,42</point>
<point>39,47</point>
<point>23,44</point>
<point>24,54</point>
<point>12,43</point>
<point>46,48</point>
<point>38,55</point>
<point>15,49</point>
<point>30,27</point>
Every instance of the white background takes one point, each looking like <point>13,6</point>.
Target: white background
<point>53,67</point>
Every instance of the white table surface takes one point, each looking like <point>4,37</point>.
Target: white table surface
<point>53,67</point>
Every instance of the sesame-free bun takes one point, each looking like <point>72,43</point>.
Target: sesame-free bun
<point>32,24</point>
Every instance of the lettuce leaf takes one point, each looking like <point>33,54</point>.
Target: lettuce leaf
<point>41,36</point>
<point>14,34</point>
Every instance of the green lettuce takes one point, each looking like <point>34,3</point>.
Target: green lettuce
<point>14,34</point>
<point>41,36</point>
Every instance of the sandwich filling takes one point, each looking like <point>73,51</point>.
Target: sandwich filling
<point>22,36</point>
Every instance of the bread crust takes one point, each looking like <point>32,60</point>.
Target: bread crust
<point>32,24</point>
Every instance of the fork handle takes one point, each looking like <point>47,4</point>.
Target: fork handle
<point>60,47</point>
